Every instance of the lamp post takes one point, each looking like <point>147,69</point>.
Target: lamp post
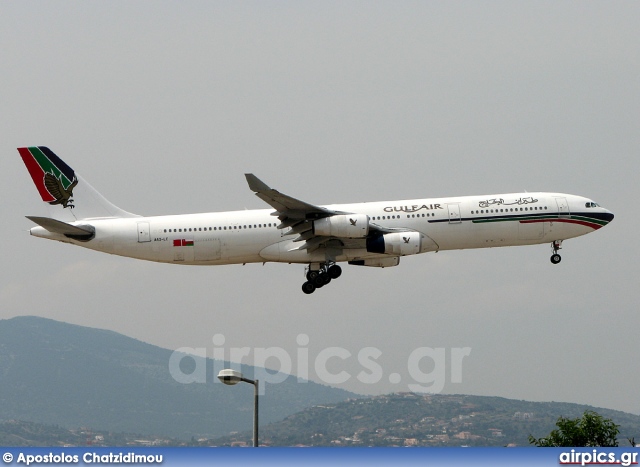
<point>232,377</point>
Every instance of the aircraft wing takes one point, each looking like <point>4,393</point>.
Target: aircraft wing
<point>286,206</point>
<point>298,216</point>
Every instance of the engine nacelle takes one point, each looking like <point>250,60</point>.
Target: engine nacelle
<point>343,225</point>
<point>377,262</point>
<point>397,243</point>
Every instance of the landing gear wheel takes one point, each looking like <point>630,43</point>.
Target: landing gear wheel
<point>334,271</point>
<point>308,288</point>
<point>556,246</point>
<point>318,281</point>
<point>318,278</point>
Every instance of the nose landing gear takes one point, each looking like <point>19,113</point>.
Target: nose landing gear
<point>317,279</point>
<point>555,246</point>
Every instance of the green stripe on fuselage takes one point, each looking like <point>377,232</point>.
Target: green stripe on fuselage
<point>516,218</point>
<point>590,219</point>
<point>543,217</point>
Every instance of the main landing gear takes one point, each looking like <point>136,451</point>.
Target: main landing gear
<point>555,246</point>
<point>321,277</point>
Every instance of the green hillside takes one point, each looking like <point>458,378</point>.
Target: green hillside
<point>61,374</point>
<point>408,419</point>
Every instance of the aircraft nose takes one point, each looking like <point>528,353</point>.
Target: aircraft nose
<point>608,216</point>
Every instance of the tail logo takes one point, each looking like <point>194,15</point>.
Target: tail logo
<point>56,188</point>
<point>54,179</point>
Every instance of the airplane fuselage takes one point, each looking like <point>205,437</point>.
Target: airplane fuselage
<point>252,236</point>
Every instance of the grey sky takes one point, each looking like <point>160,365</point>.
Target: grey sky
<point>163,106</point>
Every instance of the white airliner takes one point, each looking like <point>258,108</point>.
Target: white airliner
<point>366,234</point>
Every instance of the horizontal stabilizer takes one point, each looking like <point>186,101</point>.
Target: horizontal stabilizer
<point>80,232</point>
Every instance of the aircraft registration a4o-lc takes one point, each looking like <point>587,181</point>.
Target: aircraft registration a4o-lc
<point>373,234</point>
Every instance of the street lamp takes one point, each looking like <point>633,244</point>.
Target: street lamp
<point>232,377</point>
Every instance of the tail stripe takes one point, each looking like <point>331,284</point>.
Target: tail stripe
<point>41,160</point>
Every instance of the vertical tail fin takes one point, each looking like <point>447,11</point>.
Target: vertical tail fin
<point>67,193</point>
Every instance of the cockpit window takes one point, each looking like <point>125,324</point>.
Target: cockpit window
<point>591,204</point>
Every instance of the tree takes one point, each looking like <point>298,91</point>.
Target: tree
<point>588,431</point>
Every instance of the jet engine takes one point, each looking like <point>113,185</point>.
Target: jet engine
<point>343,225</point>
<point>397,243</point>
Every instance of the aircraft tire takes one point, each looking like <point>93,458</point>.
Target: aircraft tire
<point>334,271</point>
<point>308,288</point>
<point>311,275</point>
<point>318,281</point>
<point>555,259</point>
